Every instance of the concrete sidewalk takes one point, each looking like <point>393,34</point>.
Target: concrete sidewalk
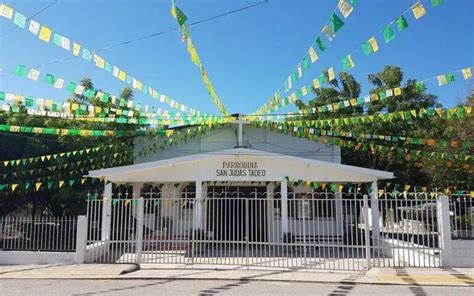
<point>401,276</point>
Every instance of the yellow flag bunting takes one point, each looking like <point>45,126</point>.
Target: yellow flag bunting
<point>180,17</point>
<point>380,96</point>
<point>75,88</point>
<point>47,35</point>
<point>347,62</point>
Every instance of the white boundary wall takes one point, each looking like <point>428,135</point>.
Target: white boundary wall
<point>41,257</point>
<point>31,257</point>
<point>462,253</point>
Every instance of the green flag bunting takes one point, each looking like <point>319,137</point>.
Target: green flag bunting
<point>180,16</point>
<point>20,70</point>
<point>19,20</point>
<point>335,22</point>
<point>320,44</point>
<point>71,87</point>
<point>420,86</point>
<point>450,78</point>
<point>367,48</point>
<point>29,102</point>
<point>50,79</point>
<point>436,3</point>
<point>402,23</point>
<point>388,34</point>
<point>347,63</point>
<point>57,39</point>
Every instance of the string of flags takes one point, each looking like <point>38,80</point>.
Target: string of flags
<point>73,167</point>
<point>95,113</point>
<point>76,131</point>
<point>101,96</point>
<point>453,143</point>
<point>318,47</point>
<point>46,183</point>
<point>384,94</point>
<point>181,18</point>
<point>389,190</point>
<point>172,135</point>
<point>450,113</point>
<point>383,194</point>
<point>54,156</point>
<point>47,35</point>
<point>12,110</point>
<point>57,174</point>
<point>382,150</point>
<point>381,95</point>
<point>395,152</point>
<point>369,47</point>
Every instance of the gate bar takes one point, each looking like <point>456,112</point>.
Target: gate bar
<point>367,231</point>
<point>139,230</point>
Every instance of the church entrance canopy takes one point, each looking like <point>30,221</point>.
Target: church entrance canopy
<point>239,165</point>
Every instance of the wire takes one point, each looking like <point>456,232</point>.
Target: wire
<point>152,35</point>
<point>33,15</point>
<point>188,25</point>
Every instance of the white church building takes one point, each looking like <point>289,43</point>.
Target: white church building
<point>239,183</point>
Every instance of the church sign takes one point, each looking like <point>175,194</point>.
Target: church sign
<point>240,169</point>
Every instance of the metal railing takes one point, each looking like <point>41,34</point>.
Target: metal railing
<point>461,209</point>
<point>315,230</point>
<point>321,231</point>
<point>38,234</point>
<point>406,234</point>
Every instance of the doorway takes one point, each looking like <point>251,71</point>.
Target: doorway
<point>237,213</point>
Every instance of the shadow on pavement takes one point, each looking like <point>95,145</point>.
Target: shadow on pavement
<point>346,285</point>
<point>242,281</point>
<point>216,290</point>
<point>414,287</point>
<point>461,276</point>
<point>133,287</point>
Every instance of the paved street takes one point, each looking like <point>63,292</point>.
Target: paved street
<point>198,287</point>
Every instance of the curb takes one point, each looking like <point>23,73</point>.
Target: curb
<point>238,279</point>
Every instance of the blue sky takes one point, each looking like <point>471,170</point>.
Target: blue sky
<point>247,54</point>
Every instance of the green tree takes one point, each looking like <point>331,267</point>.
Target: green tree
<point>408,169</point>
<point>68,201</point>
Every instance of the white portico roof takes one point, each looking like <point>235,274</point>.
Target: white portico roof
<point>239,164</point>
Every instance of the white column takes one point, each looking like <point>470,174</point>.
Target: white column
<point>270,217</point>
<point>444,230</point>
<point>198,205</point>
<point>339,212</point>
<point>374,207</point>
<point>106,211</point>
<point>284,206</point>
<point>81,239</point>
